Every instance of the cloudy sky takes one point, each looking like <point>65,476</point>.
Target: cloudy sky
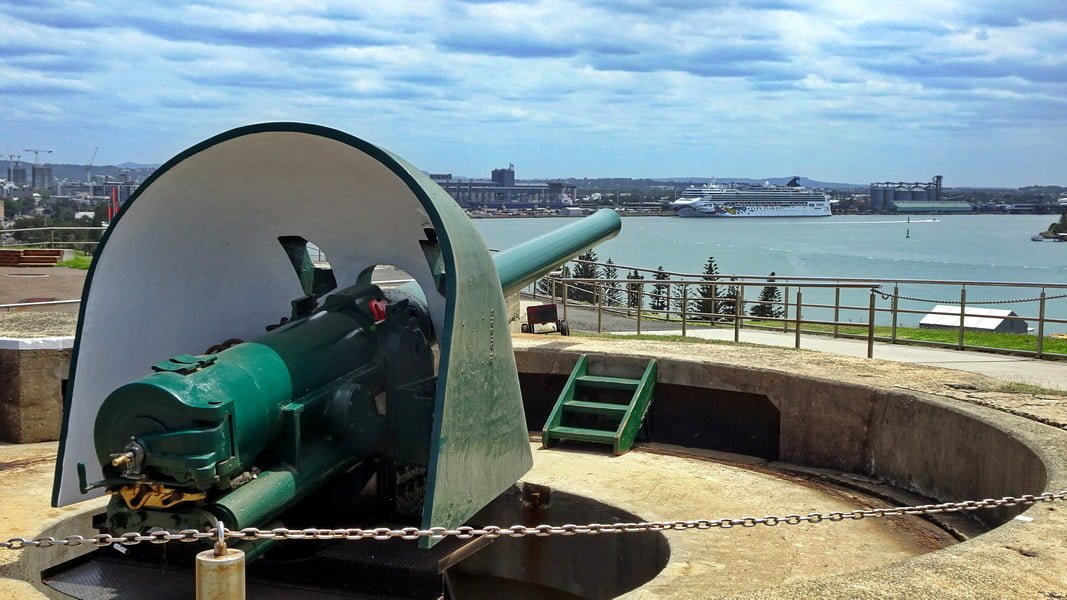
<point>839,90</point>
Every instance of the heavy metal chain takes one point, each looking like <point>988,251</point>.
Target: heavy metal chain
<point>887,296</point>
<point>518,531</point>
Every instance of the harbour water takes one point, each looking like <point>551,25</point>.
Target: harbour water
<point>945,247</point>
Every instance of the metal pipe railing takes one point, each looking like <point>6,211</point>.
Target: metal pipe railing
<point>734,309</point>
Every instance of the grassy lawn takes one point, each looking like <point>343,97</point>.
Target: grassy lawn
<point>78,262</point>
<point>1006,341</point>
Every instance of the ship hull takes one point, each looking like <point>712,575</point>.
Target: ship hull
<point>727,211</point>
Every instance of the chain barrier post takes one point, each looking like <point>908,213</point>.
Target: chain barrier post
<point>1041,323</point>
<point>963,315</point>
<point>800,305</point>
<point>837,308</point>
<point>220,572</point>
<point>870,326</point>
<point>894,304</point>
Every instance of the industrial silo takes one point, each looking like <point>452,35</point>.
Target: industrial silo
<point>877,197</point>
<point>918,194</point>
<point>931,193</point>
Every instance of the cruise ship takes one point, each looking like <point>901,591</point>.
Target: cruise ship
<point>789,200</point>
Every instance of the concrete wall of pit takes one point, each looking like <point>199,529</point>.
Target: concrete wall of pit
<point>923,445</point>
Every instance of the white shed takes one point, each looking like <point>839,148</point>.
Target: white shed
<point>947,316</point>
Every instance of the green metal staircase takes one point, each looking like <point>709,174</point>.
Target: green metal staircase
<point>610,422</point>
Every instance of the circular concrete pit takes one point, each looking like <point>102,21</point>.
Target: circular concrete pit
<point>730,440</point>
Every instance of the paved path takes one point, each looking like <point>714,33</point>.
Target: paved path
<point>1045,373</point>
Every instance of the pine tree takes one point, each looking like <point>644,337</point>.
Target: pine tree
<point>660,290</point>
<point>1059,226</point>
<point>585,269</point>
<point>708,292</point>
<point>633,291</point>
<point>611,291</point>
<point>728,302</point>
<point>544,286</point>
<point>770,298</point>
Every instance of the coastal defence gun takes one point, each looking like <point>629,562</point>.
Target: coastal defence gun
<point>286,378</point>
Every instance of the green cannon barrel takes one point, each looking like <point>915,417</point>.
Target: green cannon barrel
<point>524,263</point>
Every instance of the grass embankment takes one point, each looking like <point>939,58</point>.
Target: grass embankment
<point>78,262</point>
<point>1003,341</point>
<point>1029,389</point>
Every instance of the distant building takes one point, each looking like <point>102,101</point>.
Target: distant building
<point>16,174</point>
<point>42,177</point>
<point>104,190</point>
<point>888,195</point>
<point>502,191</point>
<point>947,316</point>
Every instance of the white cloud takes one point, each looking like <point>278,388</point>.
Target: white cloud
<point>559,87</point>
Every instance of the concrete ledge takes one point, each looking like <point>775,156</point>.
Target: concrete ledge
<point>934,446</point>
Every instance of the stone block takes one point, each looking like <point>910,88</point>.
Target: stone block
<point>31,393</point>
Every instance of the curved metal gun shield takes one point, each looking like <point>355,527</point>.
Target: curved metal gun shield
<point>194,258</point>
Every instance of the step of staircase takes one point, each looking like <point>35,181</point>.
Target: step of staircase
<point>608,383</point>
<point>581,434</point>
<point>596,408</point>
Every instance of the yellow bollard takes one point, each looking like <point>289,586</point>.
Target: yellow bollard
<point>220,577</point>
<point>220,572</point>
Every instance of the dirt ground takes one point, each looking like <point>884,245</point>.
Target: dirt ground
<point>53,283</point>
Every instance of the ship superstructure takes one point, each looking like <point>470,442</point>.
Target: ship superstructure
<point>716,200</point>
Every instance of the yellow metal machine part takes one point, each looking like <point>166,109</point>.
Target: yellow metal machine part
<point>155,495</point>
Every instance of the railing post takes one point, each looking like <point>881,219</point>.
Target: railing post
<point>800,306</point>
<point>564,282</point>
<point>715,304</point>
<point>738,304</point>
<point>533,289</point>
<point>785,315</point>
<point>685,306</point>
<point>52,238</point>
<point>1041,324</point>
<point>837,308</point>
<point>963,315</point>
<point>895,305</point>
<point>667,304</point>
<point>640,301</point>
<point>870,326</point>
<point>599,306</point>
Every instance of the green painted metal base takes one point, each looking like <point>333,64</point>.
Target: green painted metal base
<point>625,419</point>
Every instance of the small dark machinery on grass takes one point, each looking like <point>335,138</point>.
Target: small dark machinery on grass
<point>222,375</point>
